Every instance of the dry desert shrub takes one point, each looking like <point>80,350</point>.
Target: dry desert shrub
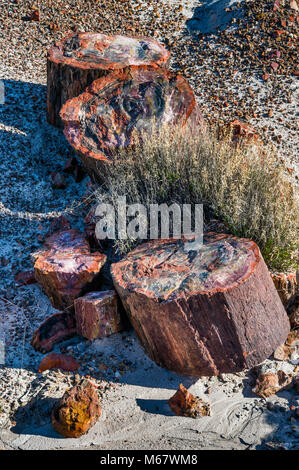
<point>245,185</point>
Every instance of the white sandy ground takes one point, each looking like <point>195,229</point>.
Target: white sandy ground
<point>134,397</point>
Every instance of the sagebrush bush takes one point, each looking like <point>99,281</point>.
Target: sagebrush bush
<point>244,185</point>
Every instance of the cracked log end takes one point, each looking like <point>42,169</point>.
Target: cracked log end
<point>205,311</point>
<point>80,58</point>
<point>106,116</point>
<point>98,314</point>
<point>65,267</point>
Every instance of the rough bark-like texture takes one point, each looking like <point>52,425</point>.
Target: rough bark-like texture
<point>76,61</point>
<point>286,285</point>
<point>269,383</point>
<point>183,403</point>
<point>292,309</point>
<point>106,116</point>
<point>98,314</point>
<point>77,411</point>
<point>202,311</point>
<point>58,361</point>
<point>54,330</point>
<point>65,267</point>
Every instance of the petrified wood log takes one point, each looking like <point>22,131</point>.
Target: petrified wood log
<point>98,314</point>
<point>65,267</point>
<point>110,112</point>
<point>79,59</point>
<point>58,361</point>
<point>207,311</point>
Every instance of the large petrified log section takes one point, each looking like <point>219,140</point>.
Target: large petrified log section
<point>98,314</point>
<point>207,311</point>
<point>115,107</point>
<point>65,267</point>
<point>79,59</point>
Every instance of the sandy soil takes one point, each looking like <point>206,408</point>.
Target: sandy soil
<point>134,390</point>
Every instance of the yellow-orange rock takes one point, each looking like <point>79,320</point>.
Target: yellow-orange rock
<point>77,411</point>
<point>183,403</point>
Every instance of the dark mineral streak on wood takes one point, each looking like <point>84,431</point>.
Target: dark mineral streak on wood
<point>215,312</point>
<point>79,59</point>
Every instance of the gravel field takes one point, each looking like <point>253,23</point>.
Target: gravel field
<point>240,66</point>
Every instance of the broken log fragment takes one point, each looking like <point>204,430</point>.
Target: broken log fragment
<point>79,59</point>
<point>113,109</point>
<point>65,267</point>
<point>98,314</point>
<point>55,329</point>
<point>205,311</point>
<point>183,403</point>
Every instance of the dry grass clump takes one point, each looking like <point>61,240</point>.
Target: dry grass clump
<point>246,186</point>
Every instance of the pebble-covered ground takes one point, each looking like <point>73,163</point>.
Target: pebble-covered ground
<point>240,58</point>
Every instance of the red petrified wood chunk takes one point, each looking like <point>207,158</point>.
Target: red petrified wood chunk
<point>54,330</point>
<point>79,59</point>
<point>183,403</point>
<point>77,411</point>
<point>204,309</point>
<point>98,314</point>
<point>65,266</point>
<point>110,112</point>
<point>58,361</point>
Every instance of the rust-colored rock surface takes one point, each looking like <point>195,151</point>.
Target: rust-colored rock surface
<point>203,311</point>
<point>269,383</point>
<point>65,266</point>
<point>54,330</point>
<point>183,403</point>
<point>77,411</point>
<point>289,350</point>
<point>98,314</point>
<point>79,59</point>
<point>106,116</point>
<point>58,361</point>
<point>286,285</point>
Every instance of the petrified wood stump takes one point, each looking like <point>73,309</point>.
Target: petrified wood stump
<point>65,267</point>
<point>207,311</point>
<point>79,59</point>
<point>98,314</point>
<point>114,108</point>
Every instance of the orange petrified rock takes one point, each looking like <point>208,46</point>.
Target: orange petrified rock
<point>286,285</point>
<point>77,411</point>
<point>58,361</point>
<point>269,383</point>
<point>183,403</point>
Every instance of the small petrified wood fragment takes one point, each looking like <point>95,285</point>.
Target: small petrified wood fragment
<point>55,329</point>
<point>77,411</point>
<point>58,361</point>
<point>79,59</point>
<point>183,403</point>
<point>98,314</point>
<point>269,383</point>
<point>114,108</point>
<point>286,285</point>
<point>203,311</point>
<point>65,267</point>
